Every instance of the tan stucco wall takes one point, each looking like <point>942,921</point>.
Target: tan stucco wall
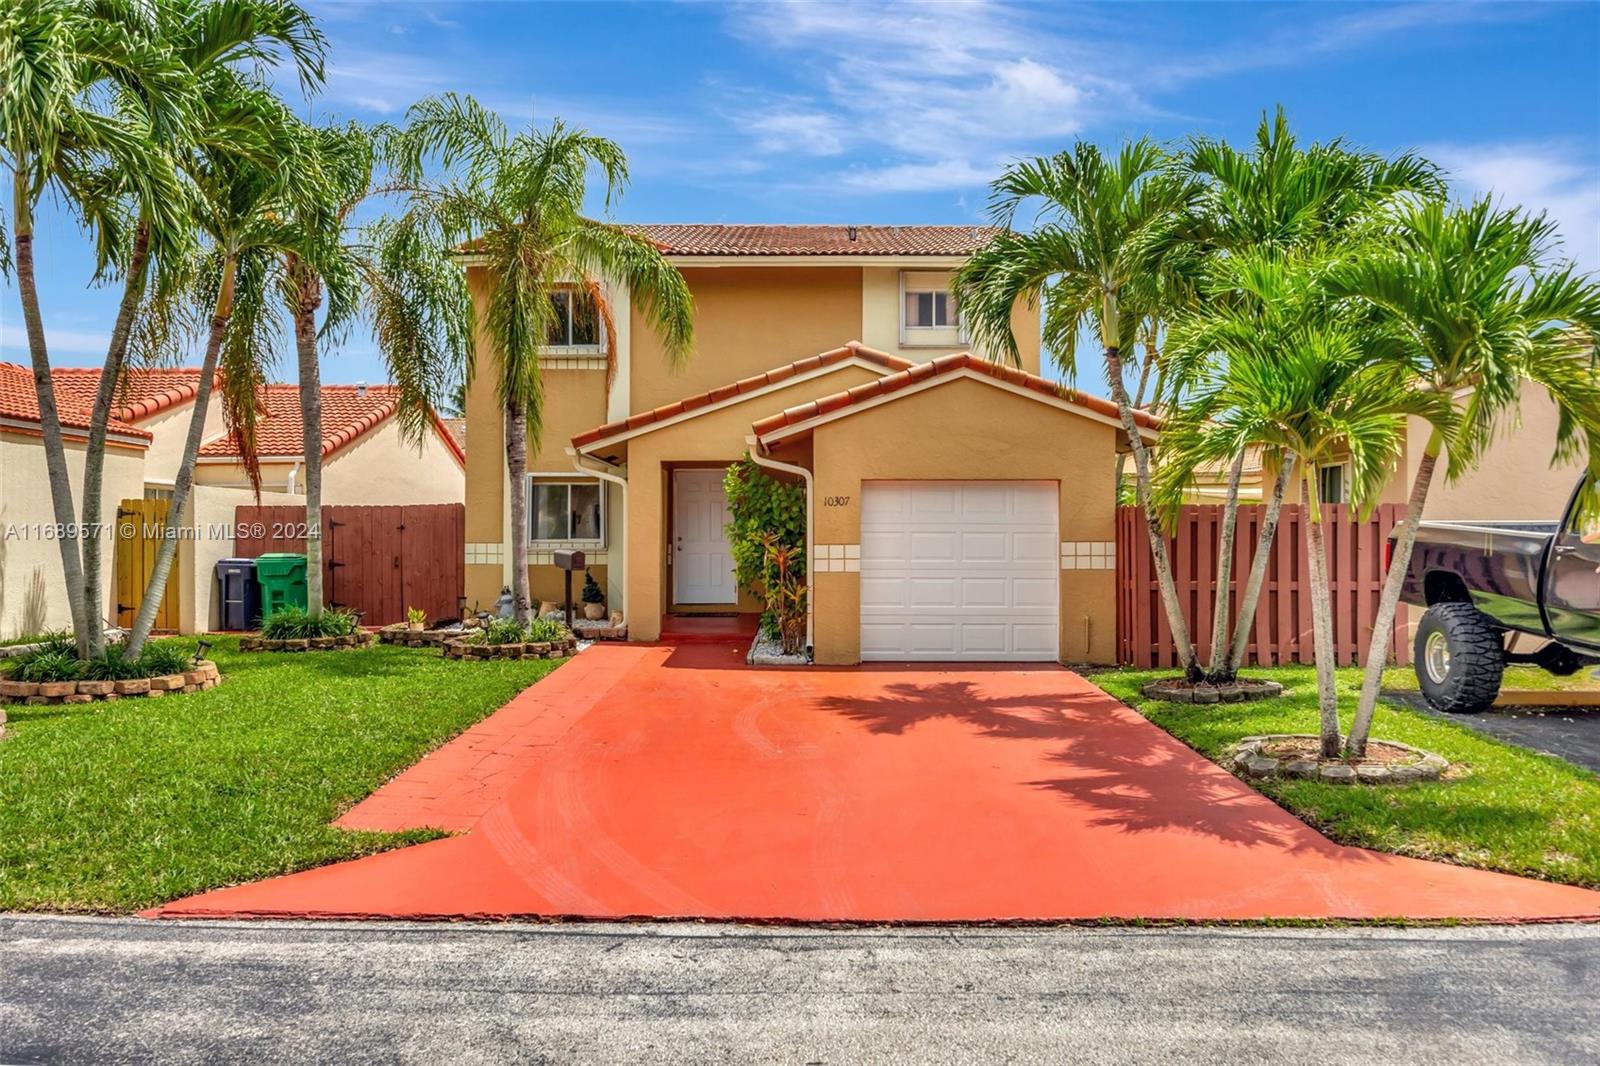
<point>984,433</point>
<point>880,321</point>
<point>379,468</point>
<point>747,321</point>
<point>32,588</point>
<point>170,429</point>
<point>212,514</point>
<point>716,437</point>
<point>1514,481</point>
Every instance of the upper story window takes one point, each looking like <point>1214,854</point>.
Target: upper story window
<point>927,310</point>
<point>576,322</point>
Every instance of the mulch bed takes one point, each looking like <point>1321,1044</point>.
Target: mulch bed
<point>1182,690</point>
<point>1387,762</point>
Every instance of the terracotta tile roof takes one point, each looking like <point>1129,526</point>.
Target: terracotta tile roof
<point>348,412</point>
<point>140,394</point>
<point>944,365</point>
<point>852,350</point>
<point>458,430</point>
<point>18,401</point>
<point>701,239</point>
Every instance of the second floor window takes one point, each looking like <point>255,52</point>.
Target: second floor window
<point>576,322</point>
<point>928,310</point>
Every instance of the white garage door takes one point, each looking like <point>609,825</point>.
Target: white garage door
<point>960,570</point>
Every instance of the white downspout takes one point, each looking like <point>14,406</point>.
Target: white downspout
<point>294,475</point>
<point>770,463</point>
<point>622,483</point>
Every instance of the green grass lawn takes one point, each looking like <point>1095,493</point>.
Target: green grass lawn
<point>1511,810</point>
<point>114,807</point>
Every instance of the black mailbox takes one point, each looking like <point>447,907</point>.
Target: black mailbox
<point>570,560</point>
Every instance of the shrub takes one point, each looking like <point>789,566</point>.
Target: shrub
<point>416,616</point>
<point>164,658</point>
<point>546,631</point>
<point>294,623</point>
<point>109,665</point>
<point>504,631</point>
<point>591,589</point>
<point>765,509</point>
<point>51,666</point>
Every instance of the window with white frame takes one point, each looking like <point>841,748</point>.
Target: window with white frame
<point>927,310</point>
<point>1333,483</point>
<point>566,511</point>
<point>575,322</point>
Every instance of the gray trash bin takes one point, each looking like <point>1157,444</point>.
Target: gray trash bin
<point>238,594</point>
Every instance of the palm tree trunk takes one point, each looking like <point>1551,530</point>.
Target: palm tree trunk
<point>517,465</point>
<point>1158,543</point>
<point>309,298</point>
<point>1218,671</point>
<point>1321,613</point>
<point>1389,599</point>
<point>1138,401</point>
<point>94,456</point>
<point>1258,567</point>
<point>55,451</point>
<point>168,549</point>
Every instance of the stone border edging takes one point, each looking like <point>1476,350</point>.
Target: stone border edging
<point>1249,760</point>
<point>1178,690</point>
<point>468,649</point>
<point>402,636</point>
<point>205,675</point>
<point>358,639</point>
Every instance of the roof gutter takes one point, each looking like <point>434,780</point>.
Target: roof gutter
<point>760,458</point>
<point>608,474</point>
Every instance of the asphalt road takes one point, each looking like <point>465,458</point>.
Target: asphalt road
<point>80,990</point>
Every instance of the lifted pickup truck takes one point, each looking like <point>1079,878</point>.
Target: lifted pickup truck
<point>1483,580</point>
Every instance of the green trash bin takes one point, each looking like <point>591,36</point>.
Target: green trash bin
<point>282,577</point>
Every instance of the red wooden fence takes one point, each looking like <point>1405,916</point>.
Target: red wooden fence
<point>376,560</point>
<point>1281,632</point>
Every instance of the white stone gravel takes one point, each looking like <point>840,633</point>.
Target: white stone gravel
<point>768,651</point>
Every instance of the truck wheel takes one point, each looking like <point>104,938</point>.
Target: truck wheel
<point>1459,658</point>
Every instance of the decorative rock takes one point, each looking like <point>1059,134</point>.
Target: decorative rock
<point>137,686</point>
<point>109,696</point>
<point>18,690</point>
<point>301,644</point>
<point>193,677</point>
<point>1261,766</point>
<point>166,683</point>
<point>57,689</point>
<point>78,697</point>
<point>1305,769</point>
<point>34,701</point>
<point>211,671</point>
<point>209,683</point>
<point>272,645</point>
<point>250,643</point>
<point>1432,767</point>
<point>322,643</point>
<point>1404,775</point>
<point>155,694</point>
<point>1242,757</point>
<point>96,688</point>
<point>1337,775</point>
<point>1371,773</point>
<point>186,689</point>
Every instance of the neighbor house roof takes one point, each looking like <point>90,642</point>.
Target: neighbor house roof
<point>719,240</point>
<point>348,412</point>
<point>742,387</point>
<point>458,430</point>
<point>140,394</point>
<point>945,366</point>
<point>20,403</point>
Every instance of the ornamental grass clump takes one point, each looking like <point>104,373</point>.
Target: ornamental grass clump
<point>295,623</point>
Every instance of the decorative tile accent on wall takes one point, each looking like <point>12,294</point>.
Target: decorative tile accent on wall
<point>836,558</point>
<point>1088,555</point>
<point>486,554</point>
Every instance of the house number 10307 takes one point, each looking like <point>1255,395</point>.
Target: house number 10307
<point>836,501</point>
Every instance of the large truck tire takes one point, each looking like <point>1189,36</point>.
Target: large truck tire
<point>1459,657</point>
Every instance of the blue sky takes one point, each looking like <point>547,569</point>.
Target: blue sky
<point>815,112</point>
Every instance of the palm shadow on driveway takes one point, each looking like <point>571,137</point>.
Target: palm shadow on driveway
<point>1134,777</point>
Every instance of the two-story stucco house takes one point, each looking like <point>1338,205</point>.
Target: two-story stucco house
<point>958,509</point>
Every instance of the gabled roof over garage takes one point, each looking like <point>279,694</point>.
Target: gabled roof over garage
<point>801,419</point>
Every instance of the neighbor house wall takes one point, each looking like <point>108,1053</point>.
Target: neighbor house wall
<point>984,434</point>
<point>379,468</point>
<point>33,588</point>
<point>170,430</point>
<point>212,514</point>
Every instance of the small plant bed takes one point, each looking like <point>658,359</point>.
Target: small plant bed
<point>767,650</point>
<point>1239,690</point>
<point>614,628</point>
<point>53,673</point>
<point>1387,762</point>
<point>293,630</point>
<point>506,638</point>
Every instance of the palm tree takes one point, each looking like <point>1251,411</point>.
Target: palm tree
<point>206,37</point>
<point>1280,198</point>
<point>88,89</point>
<point>1304,382</point>
<point>242,209</point>
<point>1483,309</point>
<point>519,200</point>
<point>1102,233</point>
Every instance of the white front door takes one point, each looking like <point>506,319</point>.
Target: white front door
<point>702,565</point>
<point>959,570</point>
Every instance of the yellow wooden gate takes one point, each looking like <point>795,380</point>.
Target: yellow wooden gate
<point>138,531</point>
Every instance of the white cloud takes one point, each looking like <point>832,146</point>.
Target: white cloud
<point>918,177</point>
<point>14,340</point>
<point>808,134</point>
<point>1549,177</point>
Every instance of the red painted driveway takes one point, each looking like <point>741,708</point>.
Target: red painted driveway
<point>674,782</point>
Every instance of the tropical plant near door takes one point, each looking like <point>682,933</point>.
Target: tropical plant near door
<point>764,510</point>
<point>1482,309</point>
<point>517,201</point>
<point>1105,229</point>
